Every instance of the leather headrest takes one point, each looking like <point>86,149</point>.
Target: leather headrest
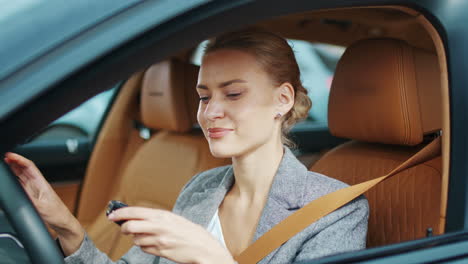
<point>168,97</point>
<point>385,91</point>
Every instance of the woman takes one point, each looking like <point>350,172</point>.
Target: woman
<point>250,96</point>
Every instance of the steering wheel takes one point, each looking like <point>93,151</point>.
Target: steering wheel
<point>26,221</point>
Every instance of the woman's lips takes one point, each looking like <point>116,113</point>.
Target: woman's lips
<point>218,132</point>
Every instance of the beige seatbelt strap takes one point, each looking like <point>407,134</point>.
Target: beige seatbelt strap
<point>324,205</point>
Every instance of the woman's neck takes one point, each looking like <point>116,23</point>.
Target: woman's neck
<point>254,172</point>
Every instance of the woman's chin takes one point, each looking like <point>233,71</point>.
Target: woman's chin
<point>221,150</point>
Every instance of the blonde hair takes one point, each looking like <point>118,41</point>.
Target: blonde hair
<point>277,59</point>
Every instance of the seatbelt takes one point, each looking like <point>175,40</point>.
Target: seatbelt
<point>324,205</point>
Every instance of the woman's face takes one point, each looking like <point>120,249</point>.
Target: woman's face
<point>237,103</point>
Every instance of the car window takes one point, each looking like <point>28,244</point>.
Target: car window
<point>317,63</point>
<point>89,114</point>
<point>81,121</point>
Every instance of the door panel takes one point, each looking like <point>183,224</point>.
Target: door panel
<point>59,159</point>
<point>61,154</point>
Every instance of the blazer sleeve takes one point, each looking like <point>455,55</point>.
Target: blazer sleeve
<point>89,253</point>
<point>347,234</point>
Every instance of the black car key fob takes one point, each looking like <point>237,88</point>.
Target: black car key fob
<point>114,205</point>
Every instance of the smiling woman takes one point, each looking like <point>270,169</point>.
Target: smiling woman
<point>250,96</point>
<point>268,54</point>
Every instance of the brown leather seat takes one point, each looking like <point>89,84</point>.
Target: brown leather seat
<point>386,98</point>
<point>140,172</point>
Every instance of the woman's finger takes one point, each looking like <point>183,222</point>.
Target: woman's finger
<point>21,166</point>
<point>136,213</point>
<point>13,164</point>
<point>17,170</point>
<point>152,250</point>
<point>19,173</point>
<point>143,240</point>
<point>138,227</point>
<point>17,159</point>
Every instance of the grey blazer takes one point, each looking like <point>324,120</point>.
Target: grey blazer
<point>293,187</point>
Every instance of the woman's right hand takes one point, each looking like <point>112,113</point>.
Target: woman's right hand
<point>49,205</point>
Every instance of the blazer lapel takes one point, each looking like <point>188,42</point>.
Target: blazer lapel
<point>285,196</point>
<point>203,204</point>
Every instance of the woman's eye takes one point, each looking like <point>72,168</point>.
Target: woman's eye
<point>233,95</point>
<point>204,99</point>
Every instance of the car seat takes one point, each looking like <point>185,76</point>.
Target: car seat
<point>385,97</point>
<point>142,168</point>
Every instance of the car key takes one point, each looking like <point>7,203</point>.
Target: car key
<point>114,205</point>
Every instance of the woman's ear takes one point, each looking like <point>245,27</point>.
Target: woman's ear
<point>284,98</point>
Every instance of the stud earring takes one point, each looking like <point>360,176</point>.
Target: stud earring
<point>278,116</point>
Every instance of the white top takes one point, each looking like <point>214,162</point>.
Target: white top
<point>214,227</point>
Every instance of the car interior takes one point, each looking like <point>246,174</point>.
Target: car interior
<point>388,99</point>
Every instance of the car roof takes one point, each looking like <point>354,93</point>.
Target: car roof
<point>30,28</point>
<point>44,42</point>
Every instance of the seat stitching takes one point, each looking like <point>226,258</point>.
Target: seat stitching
<point>403,96</point>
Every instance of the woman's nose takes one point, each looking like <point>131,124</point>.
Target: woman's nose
<point>214,110</point>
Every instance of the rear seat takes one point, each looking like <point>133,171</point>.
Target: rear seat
<point>140,172</point>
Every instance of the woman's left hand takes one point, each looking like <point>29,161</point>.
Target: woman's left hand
<point>163,233</point>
